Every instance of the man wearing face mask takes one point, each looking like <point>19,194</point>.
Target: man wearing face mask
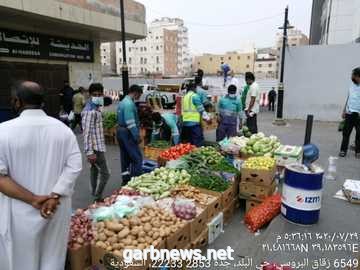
<point>128,135</point>
<point>94,142</point>
<point>229,109</point>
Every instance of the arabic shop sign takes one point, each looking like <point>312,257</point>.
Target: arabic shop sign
<point>32,45</point>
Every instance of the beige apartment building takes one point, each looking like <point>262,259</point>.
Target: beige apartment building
<point>239,62</point>
<point>164,51</point>
<point>50,41</point>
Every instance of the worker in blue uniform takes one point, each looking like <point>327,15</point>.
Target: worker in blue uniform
<point>229,109</point>
<point>128,134</point>
<point>192,112</point>
<point>201,91</point>
<point>165,127</point>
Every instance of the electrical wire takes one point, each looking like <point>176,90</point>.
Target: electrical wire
<point>225,25</point>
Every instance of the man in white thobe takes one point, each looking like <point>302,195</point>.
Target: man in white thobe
<point>38,155</point>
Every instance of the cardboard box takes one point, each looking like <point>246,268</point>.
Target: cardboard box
<point>198,224</point>
<point>250,204</point>
<point>216,227</point>
<point>101,258</point>
<point>253,190</point>
<point>215,207</point>
<point>261,177</point>
<point>229,212</point>
<point>80,258</point>
<point>179,239</point>
<point>228,196</point>
<point>201,241</point>
<point>288,154</point>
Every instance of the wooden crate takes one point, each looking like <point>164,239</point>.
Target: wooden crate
<point>110,136</point>
<point>152,153</point>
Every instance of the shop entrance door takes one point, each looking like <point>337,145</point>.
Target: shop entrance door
<point>51,77</point>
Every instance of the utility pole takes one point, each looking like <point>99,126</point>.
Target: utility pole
<point>124,68</point>
<point>280,102</point>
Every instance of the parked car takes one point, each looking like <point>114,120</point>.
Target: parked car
<point>168,93</point>
<point>148,91</point>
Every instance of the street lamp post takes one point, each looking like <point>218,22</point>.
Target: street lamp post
<point>280,102</point>
<point>124,68</point>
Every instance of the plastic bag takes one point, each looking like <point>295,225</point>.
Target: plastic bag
<point>71,116</point>
<point>124,208</point>
<point>184,209</point>
<point>102,213</point>
<point>262,214</point>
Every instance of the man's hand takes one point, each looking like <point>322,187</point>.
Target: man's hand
<point>92,158</point>
<point>343,115</point>
<point>48,209</point>
<point>140,141</point>
<point>38,201</point>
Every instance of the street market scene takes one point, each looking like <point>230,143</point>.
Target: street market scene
<point>155,134</point>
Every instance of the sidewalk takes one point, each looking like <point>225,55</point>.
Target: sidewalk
<point>336,215</point>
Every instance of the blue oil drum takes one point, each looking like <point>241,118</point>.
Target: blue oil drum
<point>301,194</point>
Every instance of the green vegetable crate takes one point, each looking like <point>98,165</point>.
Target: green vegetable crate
<point>110,136</point>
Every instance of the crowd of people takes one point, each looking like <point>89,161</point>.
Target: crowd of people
<point>38,169</point>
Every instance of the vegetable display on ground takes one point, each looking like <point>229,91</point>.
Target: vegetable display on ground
<point>80,230</point>
<point>177,151</point>
<point>159,182</point>
<point>259,145</point>
<point>208,180</point>
<point>109,120</point>
<point>190,192</point>
<point>149,227</point>
<point>260,163</point>
<point>160,144</point>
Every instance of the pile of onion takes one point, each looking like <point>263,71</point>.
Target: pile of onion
<point>80,230</point>
<point>184,209</point>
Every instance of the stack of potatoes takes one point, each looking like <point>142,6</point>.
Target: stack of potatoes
<point>149,227</point>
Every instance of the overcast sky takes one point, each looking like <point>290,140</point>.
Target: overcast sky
<point>216,26</point>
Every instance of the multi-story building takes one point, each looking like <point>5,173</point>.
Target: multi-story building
<point>165,50</point>
<point>108,58</point>
<point>295,38</point>
<point>239,62</point>
<point>335,22</point>
<point>265,65</point>
<point>52,41</point>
